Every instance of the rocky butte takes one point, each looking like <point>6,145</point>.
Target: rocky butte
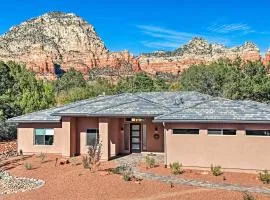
<point>58,40</point>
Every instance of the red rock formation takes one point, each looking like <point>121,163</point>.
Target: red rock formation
<point>266,59</point>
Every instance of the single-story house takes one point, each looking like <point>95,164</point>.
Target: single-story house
<point>193,128</point>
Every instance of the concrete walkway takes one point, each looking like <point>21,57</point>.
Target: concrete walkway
<point>133,159</point>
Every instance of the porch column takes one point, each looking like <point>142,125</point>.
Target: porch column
<point>66,132</point>
<point>104,137</point>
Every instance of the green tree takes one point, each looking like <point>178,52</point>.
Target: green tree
<point>143,83</point>
<point>229,79</point>
<point>70,79</point>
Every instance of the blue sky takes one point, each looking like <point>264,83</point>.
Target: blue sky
<point>145,26</point>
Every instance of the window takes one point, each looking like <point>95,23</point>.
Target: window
<point>43,136</point>
<point>92,137</point>
<point>186,131</point>
<point>221,132</point>
<point>258,132</point>
<point>126,136</point>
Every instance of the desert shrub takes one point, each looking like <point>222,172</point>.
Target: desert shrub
<point>216,170</point>
<point>28,166</point>
<point>85,162</point>
<point>92,159</point>
<point>150,161</point>
<point>264,176</point>
<point>176,168</point>
<point>119,169</point>
<point>247,196</point>
<point>127,174</point>
<point>42,156</point>
<point>123,170</point>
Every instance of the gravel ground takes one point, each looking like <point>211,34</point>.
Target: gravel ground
<point>74,182</point>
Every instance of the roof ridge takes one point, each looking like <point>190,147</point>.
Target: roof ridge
<point>208,100</point>
<point>152,101</point>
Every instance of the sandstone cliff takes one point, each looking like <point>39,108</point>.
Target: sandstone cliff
<point>58,39</point>
<point>196,51</point>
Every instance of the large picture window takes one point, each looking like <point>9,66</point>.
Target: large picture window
<point>186,131</point>
<point>43,136</point>
<point>258,132</point>
<point>221,132</point>
<point>92,137</point>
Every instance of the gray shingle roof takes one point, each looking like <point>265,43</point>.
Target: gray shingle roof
<point>222,110</point>
<point>164,106</point>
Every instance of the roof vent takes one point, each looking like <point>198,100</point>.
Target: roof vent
<point>178,101</point>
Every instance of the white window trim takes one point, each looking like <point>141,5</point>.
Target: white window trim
<point>43,145</point>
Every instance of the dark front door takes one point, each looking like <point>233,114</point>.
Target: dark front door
<point>135,138</point>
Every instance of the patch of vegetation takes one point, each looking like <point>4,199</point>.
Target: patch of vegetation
<point>248,196</point>
<point>28,166</point>
<point>176,168</point>
<point>85,162</point>
<point>119,169</point>
<point>92,159</point>
<point>216,170</point>
<point>150,161</point>
<point>42,156</point>
<point>264,176</point>
<point>127,174</point>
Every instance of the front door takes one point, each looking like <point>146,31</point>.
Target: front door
<point>135,138</point>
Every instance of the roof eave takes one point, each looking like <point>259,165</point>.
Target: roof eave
<point>33,121</point>
<point>214,121</point>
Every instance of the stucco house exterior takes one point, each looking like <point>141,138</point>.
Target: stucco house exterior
<point>195,129</point>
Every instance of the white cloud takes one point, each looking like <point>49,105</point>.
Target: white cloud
<point>160,44</point>
<point>164,38</point>
<point>231,28</point>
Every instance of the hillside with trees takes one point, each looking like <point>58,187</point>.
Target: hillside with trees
<point>21,92</point>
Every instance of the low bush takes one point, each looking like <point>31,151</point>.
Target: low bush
<point>85,162</point>
<point>247,196</point>
<point>28,166</point>
<point>127,174</point>
<point>264,176</point>
<point>42,156</point>
<point>119,170</point>
<point>216,170</point>
<point>176,168</point>
<point>150,161</point>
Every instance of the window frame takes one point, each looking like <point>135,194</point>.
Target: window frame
<point>185,129</point>
<point>221,131</point>
<point>97,135</point>
<point>264,130</point>
<point>44,136</point>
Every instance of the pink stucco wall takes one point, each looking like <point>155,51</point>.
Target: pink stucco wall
<point>154,145</point>
<point>25,134</point>
<point>233,152</point>
<point>84,123</point>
